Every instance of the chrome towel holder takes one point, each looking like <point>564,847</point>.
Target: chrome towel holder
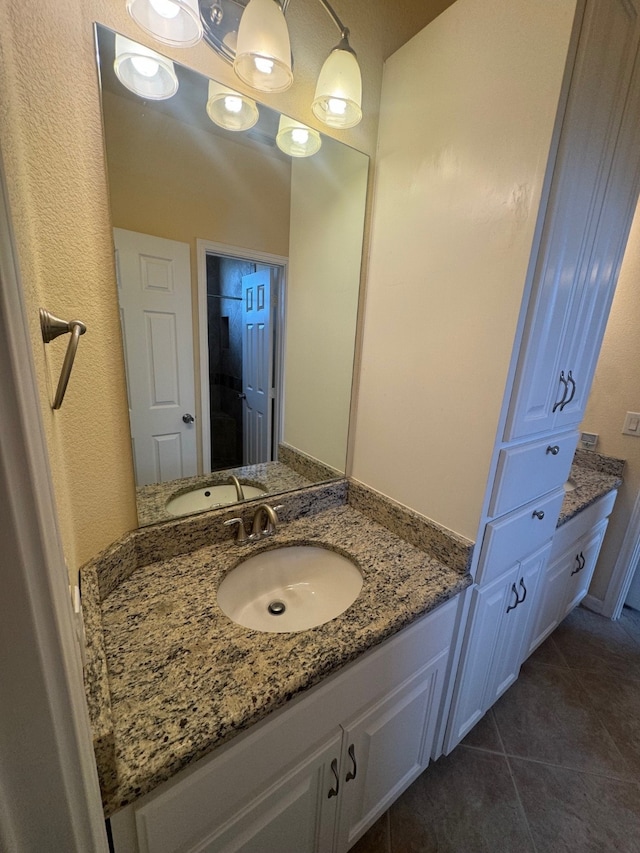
<point>52,327</point>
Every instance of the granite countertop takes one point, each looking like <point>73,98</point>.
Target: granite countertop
<point>184,678</point>
<point>592,480</point>
<point>273,477</point>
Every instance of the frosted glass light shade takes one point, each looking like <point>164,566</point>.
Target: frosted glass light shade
<point>338,98</point>
<point>296,139</point>
<point>263,52</point>
<point>230,109</point>
<point>173,22</point>
<point>143,71</point>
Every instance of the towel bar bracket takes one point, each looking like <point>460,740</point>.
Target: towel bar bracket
<point>52,327</point>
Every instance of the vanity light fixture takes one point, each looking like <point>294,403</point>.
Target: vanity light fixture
<point>230,109</point>
<point>143,71</point>
<point>263,51</point>
<point>296,139</point>
<point>338,99</point>
<point>173,22</point>
<point>261,55</point>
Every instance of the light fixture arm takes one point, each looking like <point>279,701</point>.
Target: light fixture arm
<point>344,31</point>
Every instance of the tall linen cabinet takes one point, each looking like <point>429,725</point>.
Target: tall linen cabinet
<point>504,196</point>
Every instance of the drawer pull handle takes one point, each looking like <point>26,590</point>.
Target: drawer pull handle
<point>538,513</point>
<point>524,589</point>
<point>573,391</point>
<point>515,592</point>
<point>553,450</point>
<point>564,393</point>
<point>333,792</point>
<point>352,773</point>
<point>581,563</point>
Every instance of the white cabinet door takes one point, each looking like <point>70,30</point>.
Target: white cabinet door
<point>519,598</point>
<point>566,582</point>
<point>295,815</point>
<point>386,748</point>
<point>580,252</point>
<point>582,565</point>
<point>551,596</point>
<point>488,605</point>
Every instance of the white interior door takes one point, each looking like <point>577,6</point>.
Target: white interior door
<point>257,365</point>
<point>154,289</point>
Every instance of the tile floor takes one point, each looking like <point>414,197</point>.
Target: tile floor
<point>553,767</point>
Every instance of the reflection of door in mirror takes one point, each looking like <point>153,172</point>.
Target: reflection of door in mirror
<point>154,291</point>
<point>240,372</point>
<point>242,378</point>
<point>257,366</point>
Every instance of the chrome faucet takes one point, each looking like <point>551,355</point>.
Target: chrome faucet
<point>238,485</point>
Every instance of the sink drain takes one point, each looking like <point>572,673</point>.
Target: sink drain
<point>276,608</point>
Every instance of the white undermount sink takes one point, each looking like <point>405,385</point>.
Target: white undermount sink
<point>569,486</point>
<point>289,589</point>
<point>209,497</point>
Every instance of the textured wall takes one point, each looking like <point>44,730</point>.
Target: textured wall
<point>615,391</point>
<point>51,138</point>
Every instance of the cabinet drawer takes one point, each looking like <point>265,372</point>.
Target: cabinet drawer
<point>530,470</point>
<point>582,524</point>
<point>515,536</point>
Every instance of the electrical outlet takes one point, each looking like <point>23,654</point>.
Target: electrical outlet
<point>588,440</point>
<point>631,424</point>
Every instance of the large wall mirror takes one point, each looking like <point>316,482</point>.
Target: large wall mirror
<point>238,265</point>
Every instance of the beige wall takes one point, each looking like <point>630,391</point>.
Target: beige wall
<point>615,391</point>
<point>328,193</point>
<point>177,181</point>
<point>50,134</point>
<point>467,113</point>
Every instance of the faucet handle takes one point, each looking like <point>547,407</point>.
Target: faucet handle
<point>241,535</point>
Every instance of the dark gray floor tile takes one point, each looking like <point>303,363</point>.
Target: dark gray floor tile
<point>571,812</point>
<point>484,735</point>
<point>617,702</point>
<point>464,803</point>
<point>375,839</point>
<point>630,621</point>
<point>548,652</point>
<point>547,716</point>
<point>592,643</point>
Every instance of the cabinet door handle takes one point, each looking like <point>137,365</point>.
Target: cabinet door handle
<point>573,391</point>
<point>583,561</point>
<point>538,513</point>
<point>524,589</point>
<point>333,792</point>
<point>564,393</point>
<point>515,592</point>
<point>575,571</point>
<point>553,450</point>
<point>352,773</point>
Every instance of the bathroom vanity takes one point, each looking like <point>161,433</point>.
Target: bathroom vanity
<point>209,734</point>
<point>316,774</point>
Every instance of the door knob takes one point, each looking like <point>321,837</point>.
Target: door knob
<point>188,419</point>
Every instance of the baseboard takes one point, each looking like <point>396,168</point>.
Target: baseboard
<point>592,603</point>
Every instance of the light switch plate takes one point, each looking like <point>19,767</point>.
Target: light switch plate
<point>588,440</point>
<point>631,424</point>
